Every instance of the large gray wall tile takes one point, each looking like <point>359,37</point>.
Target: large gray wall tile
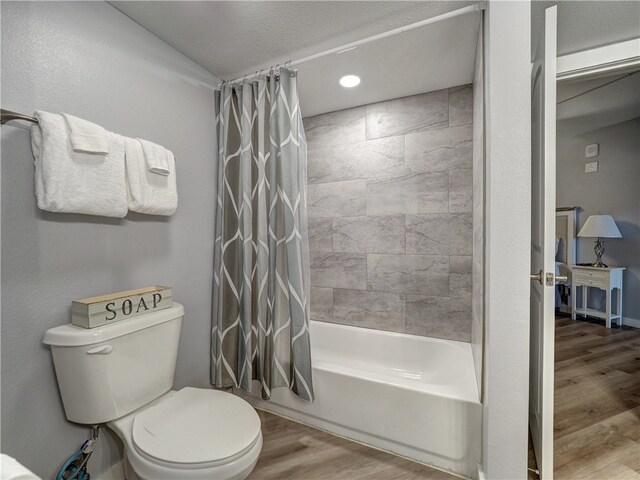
<point>460,263</point>
<point>319,165</point>
<point>439,150</point>
<point>379,310</point>
<point>421,315</point>
<point>383,234</point>
<point>461,105</point>
<point>407,115</point>
<point>460,285</point>
<point>426,274</point>
<point>320,234</point>
<point>378,158</point>
<point>458,312</point>
<point>443,234</point>
<point>336,199</point>
<point>413,193</point>
<point>390,203</point>
<point>440,317</point>
<point>461,190</point>
<point>321,304</point>
<point>339,270</point>
<point>344,126</point>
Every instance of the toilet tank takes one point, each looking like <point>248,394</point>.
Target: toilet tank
<point>107,372</point>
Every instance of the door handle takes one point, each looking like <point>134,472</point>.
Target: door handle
<point>537,276</point>
<point>547,278</point>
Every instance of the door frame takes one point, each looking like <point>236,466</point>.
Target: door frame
<point>607,60</point>
<point>507,55</point>
<point>505,377</point>
<point>588,64</point>
<point>543,210</point>
<point>507,89</point>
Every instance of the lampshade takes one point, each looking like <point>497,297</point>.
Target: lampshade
<point>601,226</point>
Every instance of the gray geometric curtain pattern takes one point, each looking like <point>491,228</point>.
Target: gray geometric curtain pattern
<point>260,324</point>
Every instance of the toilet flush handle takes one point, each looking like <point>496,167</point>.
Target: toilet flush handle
<point>102,350</point>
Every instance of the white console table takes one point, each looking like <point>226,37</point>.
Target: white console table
<point>606,279</point>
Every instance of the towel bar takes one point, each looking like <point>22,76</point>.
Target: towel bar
<point>8,115</point>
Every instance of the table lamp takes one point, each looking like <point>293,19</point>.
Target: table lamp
<point>599,226</point>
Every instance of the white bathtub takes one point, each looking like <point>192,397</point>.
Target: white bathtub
<point>414,396</point>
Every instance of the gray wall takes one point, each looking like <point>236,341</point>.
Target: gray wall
<point>613,190</point>
<point>88,59</point>
<point>390,220</point>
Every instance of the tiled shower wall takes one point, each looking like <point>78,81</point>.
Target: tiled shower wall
<point>390,214</point>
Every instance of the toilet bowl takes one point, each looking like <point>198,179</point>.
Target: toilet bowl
<point>122,374</point>
<point>191,434</point>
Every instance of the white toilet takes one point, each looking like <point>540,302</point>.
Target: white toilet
<point>121,374</point>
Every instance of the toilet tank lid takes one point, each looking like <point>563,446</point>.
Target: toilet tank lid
<point>70,335</point>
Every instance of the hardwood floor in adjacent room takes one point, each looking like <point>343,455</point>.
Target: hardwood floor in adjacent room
<point>597,401</point>
<point>294,451</point>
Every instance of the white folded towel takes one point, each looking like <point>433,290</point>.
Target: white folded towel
<point>74,182</point>
<point>86,136</point>
<point>148,192</point>
<point>11,469</point>
<point>157,157</point>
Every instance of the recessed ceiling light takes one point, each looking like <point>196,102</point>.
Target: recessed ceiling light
<point>350,81</point>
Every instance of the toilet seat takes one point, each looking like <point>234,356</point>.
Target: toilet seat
<point>192,434</point>
<point>196,427</point>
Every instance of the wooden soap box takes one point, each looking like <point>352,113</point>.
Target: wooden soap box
<point>98,311</point>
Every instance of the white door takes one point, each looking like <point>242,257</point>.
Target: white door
<point>543,214</point>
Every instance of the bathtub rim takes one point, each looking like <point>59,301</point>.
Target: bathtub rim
<point>377,331</point>
<point>464,346</point>
<point>400,386</point>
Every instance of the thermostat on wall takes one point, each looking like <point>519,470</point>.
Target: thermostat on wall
<point>592,150</point>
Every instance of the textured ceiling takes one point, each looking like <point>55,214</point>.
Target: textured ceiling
<point>428,58</point>
<point>583,25</point>
<point>588,105</point>
<point>233,38</point>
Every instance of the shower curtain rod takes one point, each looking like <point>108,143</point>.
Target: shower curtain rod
<point>476,7</point>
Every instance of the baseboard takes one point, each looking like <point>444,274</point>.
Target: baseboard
<point>116,472</point>
<point>626,321</point>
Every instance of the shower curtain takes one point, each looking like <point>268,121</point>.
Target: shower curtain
<point>260,324</point>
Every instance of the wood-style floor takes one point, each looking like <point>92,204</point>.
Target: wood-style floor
<point>292,451</point>
<point>597,401</point>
